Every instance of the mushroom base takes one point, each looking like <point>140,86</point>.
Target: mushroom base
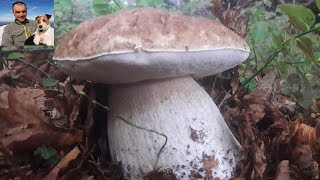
<point>199,145</point>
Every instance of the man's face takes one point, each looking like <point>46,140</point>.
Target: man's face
<point>20,12</point>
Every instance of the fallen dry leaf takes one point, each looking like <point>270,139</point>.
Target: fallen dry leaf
<point>73,154</point>
<point>254,114</point>
<point>26,126</point>
<point>24,107</point>
<point>253,159</point>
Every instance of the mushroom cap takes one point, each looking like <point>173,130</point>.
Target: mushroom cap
<point>144,43</point>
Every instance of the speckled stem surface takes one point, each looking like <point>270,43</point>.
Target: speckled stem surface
<point>200,143</point>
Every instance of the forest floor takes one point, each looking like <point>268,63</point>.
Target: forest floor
<point>47,129</point>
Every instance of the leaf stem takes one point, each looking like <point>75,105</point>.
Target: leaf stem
<point>131,124</point>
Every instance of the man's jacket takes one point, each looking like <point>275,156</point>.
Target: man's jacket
<point>16,33</point>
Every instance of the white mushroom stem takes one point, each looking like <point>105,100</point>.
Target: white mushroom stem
<point>199,141</point>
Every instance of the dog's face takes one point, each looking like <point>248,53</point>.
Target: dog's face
<point>43,22</point>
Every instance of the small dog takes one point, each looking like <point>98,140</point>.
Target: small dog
<point>44,35</point>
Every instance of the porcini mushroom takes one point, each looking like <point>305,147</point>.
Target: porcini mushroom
<point>150,58</point>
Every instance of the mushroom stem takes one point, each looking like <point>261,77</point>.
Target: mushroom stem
<point>199,141</point>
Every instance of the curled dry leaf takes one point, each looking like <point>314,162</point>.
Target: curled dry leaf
<point>253,159</point>
<point>256,112</point>
<point>306,145</point>
<point>24,106</point>
<point>63,110</point>
<point>254,115</point>
<point>283,171</point>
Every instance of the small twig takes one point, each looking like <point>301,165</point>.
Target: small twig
<point>226,96</point>
<point>131,124</point>
<point>29,64</point>
<point>52,63</point>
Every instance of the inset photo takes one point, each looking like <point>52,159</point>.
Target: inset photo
<point>26,22</point>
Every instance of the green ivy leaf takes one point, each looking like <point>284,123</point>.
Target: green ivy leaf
<point>50,82</point>
<point>45,152</point>
<point>305,45</point>
<point>15,55</point>
<point>299,15</point>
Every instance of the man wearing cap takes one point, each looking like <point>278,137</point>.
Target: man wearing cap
<point>17,32</point>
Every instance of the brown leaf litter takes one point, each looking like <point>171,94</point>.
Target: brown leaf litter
<point>24,124</point>
<point>269,137</point>
<point>30,116</point>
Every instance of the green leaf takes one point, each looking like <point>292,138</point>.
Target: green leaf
<point>50,82</point>
<point>102,10</point>
<point>45,152</point>
<point>317,25</point>
<point>251,86</point>
<point>32,47</point>
<point>63,4</point>
<point>145,3</point>
<point>101,7</point>
<point>305,45</point>
<point>54,159</point>
<point>282,67</point>
<point>259,32</point>
<point>15,55</point>
<point>278,39</point>
<point>306,91</point>
<point>299,15</point>
<point>151,3</point>
<point>158,2</point>
<point>288,89</point>
<point>257,13</point>
<point>318,4</point>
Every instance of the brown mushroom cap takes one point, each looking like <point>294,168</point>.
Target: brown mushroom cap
<point>144,43</point>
